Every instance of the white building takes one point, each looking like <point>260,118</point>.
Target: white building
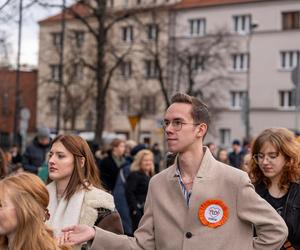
<point>268,38</point>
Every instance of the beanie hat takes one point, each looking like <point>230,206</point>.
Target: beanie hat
<point>43,132</point>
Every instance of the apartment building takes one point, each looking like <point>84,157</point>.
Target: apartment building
<point>134,46</point>
<point>267,47</point>
<point>250,46</point>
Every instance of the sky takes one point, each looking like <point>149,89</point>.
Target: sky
<point>30,33</point>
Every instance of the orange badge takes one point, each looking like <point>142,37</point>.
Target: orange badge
<point>213,213</point>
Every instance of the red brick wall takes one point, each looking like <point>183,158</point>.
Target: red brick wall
<point>28,88</point>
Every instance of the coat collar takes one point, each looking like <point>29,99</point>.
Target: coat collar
<point>206,169</point>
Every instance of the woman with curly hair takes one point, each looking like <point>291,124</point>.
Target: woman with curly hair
<point>275,172</point>
<point>76,195</point>
<point>23,211</point>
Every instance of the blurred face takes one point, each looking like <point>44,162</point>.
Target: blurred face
<point>147,163</point>
<point>61,163</point>
<point>223,155</point>
<point>8,216</point>
<point>44,140</point>
<point>270,161</point>
<point>180,140</point>
<point>120,149</point>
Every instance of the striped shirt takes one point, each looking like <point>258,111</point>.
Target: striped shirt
<point>187,194</point>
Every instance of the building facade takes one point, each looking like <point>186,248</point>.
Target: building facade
<point>28,99</point>
<point>266,50</point>
<point>229,52</point>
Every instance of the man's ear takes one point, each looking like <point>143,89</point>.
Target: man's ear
<point>82,161</point>
<point>202,129</point>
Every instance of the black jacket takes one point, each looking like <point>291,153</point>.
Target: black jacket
<point>136,189</point>
<point>291,211</point>
<point>34,156</point>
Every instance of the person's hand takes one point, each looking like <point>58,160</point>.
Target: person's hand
<point>77,234</point>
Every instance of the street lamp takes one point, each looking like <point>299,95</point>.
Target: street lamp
<point>247,93</point>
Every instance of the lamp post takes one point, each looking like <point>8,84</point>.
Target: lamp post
<point>252,26</point>
<point>61,67</point>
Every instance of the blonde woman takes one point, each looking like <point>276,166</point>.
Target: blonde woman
<point>23,211</point>
<point>76,195</point>
<point>142,169</point>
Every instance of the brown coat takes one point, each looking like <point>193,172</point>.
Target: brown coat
<point>168,224</point>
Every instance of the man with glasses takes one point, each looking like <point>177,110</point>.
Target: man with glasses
<point>198,202</point>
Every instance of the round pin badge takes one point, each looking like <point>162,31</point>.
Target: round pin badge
<point>213,213</point>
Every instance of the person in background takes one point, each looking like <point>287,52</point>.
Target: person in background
<point>198,202</point>
<point>157,157</point>
<point>35,153</point>
<point>119,190</point>
<point>16,156</point>
<point>236,155</point>
<point>23,212</point>
<point>246,163</point>
<point>3,164</point>
<point>110,166</point>
<point>222,155</point>
<point>76,195</point>
<point>275,172</point>
<point>142,169</point>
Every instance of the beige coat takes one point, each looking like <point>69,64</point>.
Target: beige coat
<point>167,219</point>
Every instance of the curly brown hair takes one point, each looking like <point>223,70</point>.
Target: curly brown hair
<point>285,143</point>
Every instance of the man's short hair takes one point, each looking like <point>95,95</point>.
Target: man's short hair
<point>200,113</point>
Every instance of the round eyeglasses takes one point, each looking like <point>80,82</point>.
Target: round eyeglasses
<point>259,158</point>
<point>176,124</point>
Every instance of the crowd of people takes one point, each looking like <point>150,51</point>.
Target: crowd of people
<point>202,200</point>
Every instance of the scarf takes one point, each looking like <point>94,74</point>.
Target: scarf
<point>63,213</point>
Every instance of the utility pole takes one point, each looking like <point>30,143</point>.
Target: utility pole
<point>61,67</point>
<point>247,93</point>
<point>17,92</point>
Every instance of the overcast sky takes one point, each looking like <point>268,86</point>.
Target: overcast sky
<point>30,33</point>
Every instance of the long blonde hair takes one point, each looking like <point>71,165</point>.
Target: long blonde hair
<point>30,198</point>
<point>136,165</point>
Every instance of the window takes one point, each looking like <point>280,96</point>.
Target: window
<point>152,31</point>
<point>240,62</point>
<point>78,71</point>
<point>127,34</point>
<point>194,63</point>
<point>124,104</point>
<point>224,136</point>
<point>55,72</point>
<point>149,105</point>
<point>125,68</point>
<point>151,69</point>
<point>52,100</point>
<point>286,98</point>
<point>291,20</point>
<point>197,27</point>
<point>289,59</point>
<point>79,38</point>
<point>56,39</point>
<point>241,24</point>
<point>237,99</point>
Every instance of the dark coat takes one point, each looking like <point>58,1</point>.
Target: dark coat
<point>291,211</point>
<point>120,198</point>
<point>109,172</point>
<point>136,192</point>
<point>34,156</point>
